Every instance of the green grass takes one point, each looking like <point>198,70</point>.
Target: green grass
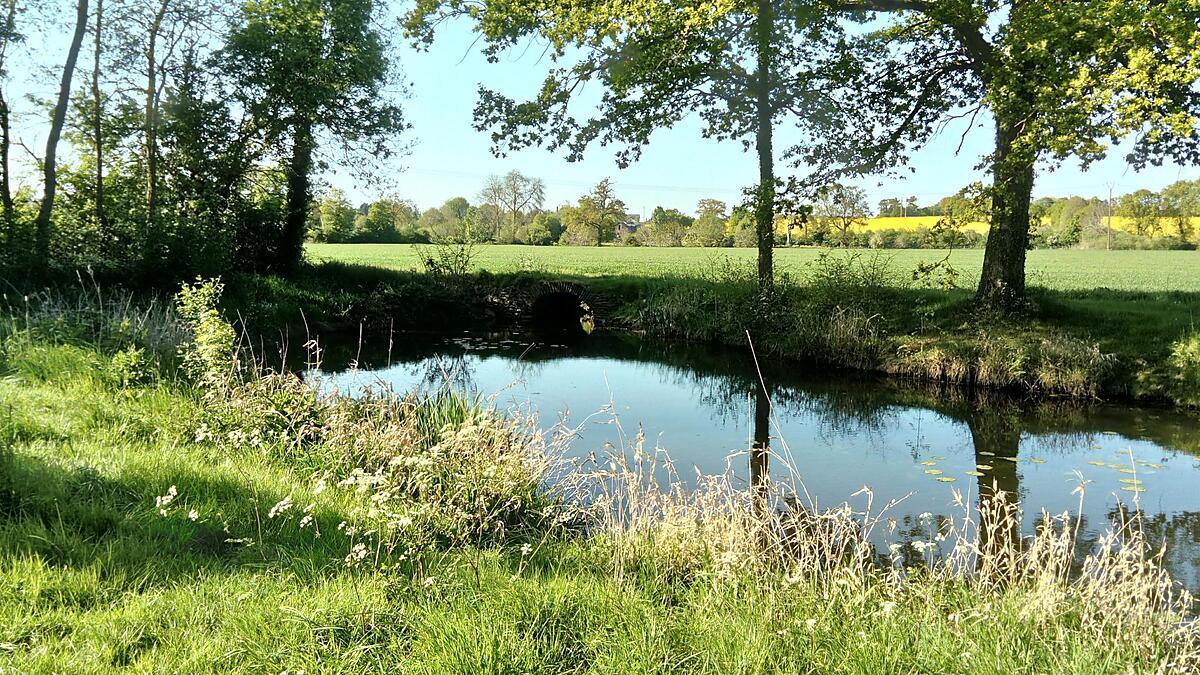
<point>96,575</point>
<point>1060,270</point>
<point>1112,324</point>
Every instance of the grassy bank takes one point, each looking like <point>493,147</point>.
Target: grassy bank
<point>167,510</point>
<point>849,310</point>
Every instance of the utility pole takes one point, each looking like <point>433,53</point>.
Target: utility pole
<point>1108,221</point>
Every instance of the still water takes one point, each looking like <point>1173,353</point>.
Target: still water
<point>839,431</point>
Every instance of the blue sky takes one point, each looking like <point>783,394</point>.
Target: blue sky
<point>449,158</point>
<point>678,168</point>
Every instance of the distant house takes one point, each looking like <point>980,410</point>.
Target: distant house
<point>628,226</point>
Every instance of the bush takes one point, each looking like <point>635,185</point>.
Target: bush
<point>1185,361</point>
<point>208,353</point>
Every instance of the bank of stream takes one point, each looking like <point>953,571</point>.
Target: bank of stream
<point>830,432</point>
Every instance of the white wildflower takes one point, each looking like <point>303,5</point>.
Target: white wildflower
<point>281,507</point>
<point>161,503</point>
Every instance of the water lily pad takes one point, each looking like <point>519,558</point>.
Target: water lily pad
<point>1096,462</point>
<point>946,479</point>
<point>1126,470</point>
<point>933,472</point>
<point>985,452</point>
<point>1130,481</point>
<point>928,463</point>
<point>984,467</point>
<point>1010,459</point>
<point>1037,460</point>
<point>1133,488</point>
<point>975,473</point>
<point>937,457</point>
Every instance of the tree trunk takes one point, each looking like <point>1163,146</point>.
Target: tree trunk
<point>9,212</point>
<point>150,236</point>
<point>49,164</point>
<point>764,209</point>
<point>1002,284</point>
<point>98,132</point>
<point>291,243</point>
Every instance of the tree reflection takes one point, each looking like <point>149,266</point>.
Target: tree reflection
<point>996,437</point>
<point>760,450</point>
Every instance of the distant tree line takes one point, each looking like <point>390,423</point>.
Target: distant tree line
<point>510,209</point>
<point>1142,219</point>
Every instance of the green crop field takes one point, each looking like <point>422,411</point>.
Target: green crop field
<point>1056,269</point>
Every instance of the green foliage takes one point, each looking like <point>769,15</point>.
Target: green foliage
<point>448,258</point>
<point>209,354</point>
<point>1185,362</point>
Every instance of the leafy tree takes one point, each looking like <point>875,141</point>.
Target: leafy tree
<point>709,228</point>
<point>741,65</point>
<point>1059,79</point>
<point>740,228</point>
<point>668,227</point>
<point>385,220</point>
<point>594,221</point>
<point>1144,208</point>
<point>1181,204</point>
<point>515,195</point>
<point>840,208</point>
<point>337,218</point>
<point>304,67</point>
<point>544,229</point>
<point>447,222</point>
<point>890,208</point>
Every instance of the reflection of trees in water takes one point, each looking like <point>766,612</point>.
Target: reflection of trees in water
<point>1180,532</point>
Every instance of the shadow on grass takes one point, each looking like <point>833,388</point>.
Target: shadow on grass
<point>76,516</point>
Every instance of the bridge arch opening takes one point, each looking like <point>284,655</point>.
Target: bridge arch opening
<point>561,312</point>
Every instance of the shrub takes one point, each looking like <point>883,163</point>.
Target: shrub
<point>208,353</point>
<point>1185,361</point>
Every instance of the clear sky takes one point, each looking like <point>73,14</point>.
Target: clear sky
<point>449,158</point>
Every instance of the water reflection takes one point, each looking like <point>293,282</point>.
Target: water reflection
<point>836,431</point>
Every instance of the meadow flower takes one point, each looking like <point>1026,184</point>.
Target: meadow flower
<point>526,549</point>
<point>887,606</point>
<point>357,554</point>
<point>193,515</point>
<point>161,503</point>
<point>282,506</point>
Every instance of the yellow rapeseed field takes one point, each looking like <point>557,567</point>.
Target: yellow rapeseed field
<point>1166,226</point>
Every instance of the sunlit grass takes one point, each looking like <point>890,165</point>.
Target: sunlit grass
<point>1059,270</point>
<point>162,527</point>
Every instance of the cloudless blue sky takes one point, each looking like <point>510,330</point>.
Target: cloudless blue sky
<point>450,158</point>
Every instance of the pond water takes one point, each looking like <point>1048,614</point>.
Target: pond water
<point>839,431</point>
